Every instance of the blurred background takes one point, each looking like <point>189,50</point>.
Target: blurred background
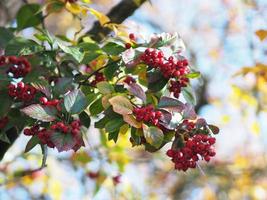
<point>226,41</point>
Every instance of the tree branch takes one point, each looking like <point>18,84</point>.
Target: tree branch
<point>117,14</point>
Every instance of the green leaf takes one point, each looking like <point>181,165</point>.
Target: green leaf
<point>89,46</point>
<point>114,125</point>
<point>85,119</point>
<point>22,46</point>
<point>63,142</point>
<point>104,87</point>
<point>135,137</point>
<point>96,107</point>
<point>156,81</point>
<point>42,113</point>
<point>75,101</point>
<point>29,15</point>
<point>89,56</point>
<point>102,122</point>
<point>5,36</point>
<point>63,85</point>
<point>193,75</point>
<point>75,52</point>
<point>32,143</point>
<point>4,138</point>
<point>5,104</point>
<point>113,136</point>
<point>189,95</point>
<point>113,48</point>
<point>121,105</point>
<point>153,135</point>
<point>111,69</point>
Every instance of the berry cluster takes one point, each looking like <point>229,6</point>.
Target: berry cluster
<point>148,114</point>
<point>129,80</point>
<point>3,122</point>
<point>132,37</point>
<point>188,125</point>
<point>21,92</point>
<point>98,77</point>
<point>197,147</point>
<point>176,86</point>
<point>44,101</point>
<point>73,128</point>
<point>42,133</point>
<point>170,68</point>
<point>45,134</point>
<point>20,67</point>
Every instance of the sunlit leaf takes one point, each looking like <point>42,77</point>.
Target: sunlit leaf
<point>39,112</point>
<point>121,105</point>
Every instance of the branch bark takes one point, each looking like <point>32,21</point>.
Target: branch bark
<point>117,14</point>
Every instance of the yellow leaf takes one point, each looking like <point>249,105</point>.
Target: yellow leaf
<point>86,1</point>
<point>103,19</point>
<point>105,102</point>
<point>262,34</point>
<point>132,121</point>
<point>124,129</point>
<point>121,105</point>
<point>99,62</point>
<point>75,8</point>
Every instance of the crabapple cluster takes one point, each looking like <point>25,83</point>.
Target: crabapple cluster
<point>3,122</point>
<point>98,77</point>
<point>148,114</point>
<point>22,92</point>
<point>44,101</point>
<point>129,80</point>
<point>171,68</point>
<point>176,86</point>
<point>73,128</point>
<point>19,66</point>
<point>188,125</point>
<point>42,133</point>
<point>197,147</point>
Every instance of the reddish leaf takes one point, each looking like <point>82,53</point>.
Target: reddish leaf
<point>137,91</point>
<point>42,113</point>
<point>189,112</point>
<point>171,104</point>
<point>63,142</point>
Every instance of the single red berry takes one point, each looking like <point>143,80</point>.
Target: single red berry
<point>20,85</point>
<point>132,36</point>
<point>128,45</point>
<point>75,131</point>
<point>43,100</point>
<point>27,132</point>
<point>170,153</point>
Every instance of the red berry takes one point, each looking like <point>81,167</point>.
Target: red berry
<point>128,45</point>
<point>27,132</point>
<point>75,131</point>
<point>132,36</point>
<point>43,100</point>
<point>20,85</point>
